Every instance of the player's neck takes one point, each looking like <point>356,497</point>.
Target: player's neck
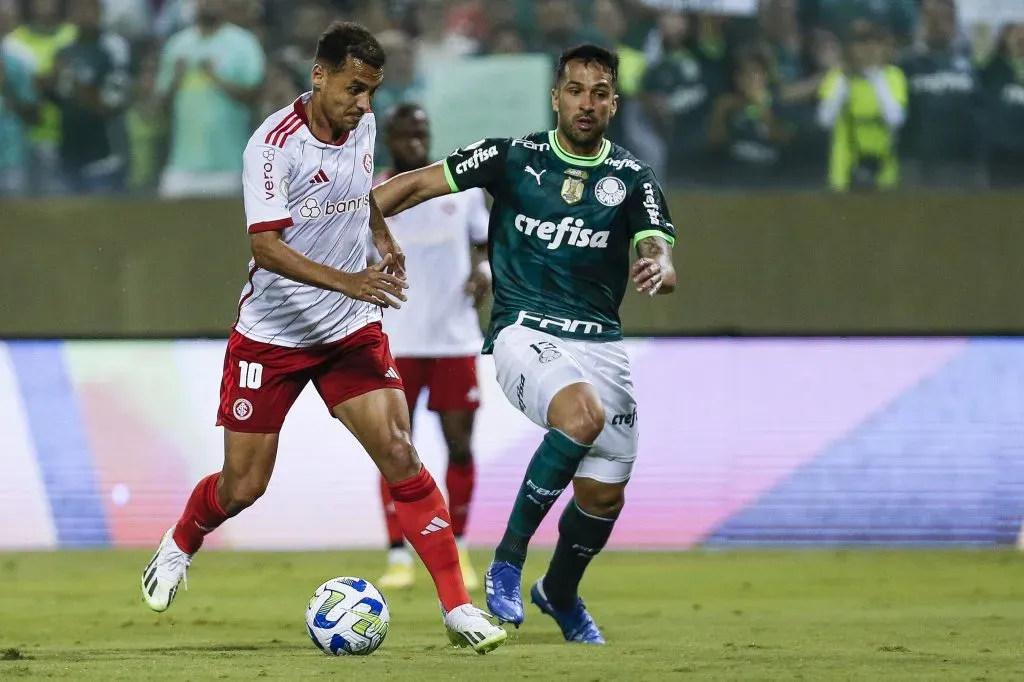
<point>577,150</point>
<point>318,123</point>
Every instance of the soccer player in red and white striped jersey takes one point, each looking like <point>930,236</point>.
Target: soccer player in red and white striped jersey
<point>311,310</point>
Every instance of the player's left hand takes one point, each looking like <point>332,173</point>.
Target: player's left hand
<point>386,244</point>
<point>647,276</point>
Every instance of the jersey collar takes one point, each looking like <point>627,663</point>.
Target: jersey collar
<point>572,159</point>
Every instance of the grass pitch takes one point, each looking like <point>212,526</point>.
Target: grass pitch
<point>745,615</point>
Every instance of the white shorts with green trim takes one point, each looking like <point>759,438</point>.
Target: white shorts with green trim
<point>533,366</point>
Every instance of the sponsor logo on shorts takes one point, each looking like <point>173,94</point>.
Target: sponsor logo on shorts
<point>546,351</point>
<point>520,390</point>
<point>538,321</point>
<point>242,409</point>
<point>627,419</point>
<point>392,374</point>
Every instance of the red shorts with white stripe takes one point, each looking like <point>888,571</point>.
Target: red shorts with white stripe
<point>261,382</point>
<point>452,382</point>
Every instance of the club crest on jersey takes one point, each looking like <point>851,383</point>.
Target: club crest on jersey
<point>368,164</point>
<point>573,185</point>
<point>610,191</point>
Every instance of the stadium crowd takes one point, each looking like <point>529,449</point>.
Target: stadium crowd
<point>160,96</point>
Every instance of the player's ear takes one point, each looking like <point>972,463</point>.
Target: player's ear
<point>554,99</point>
<point>317,75</point>
<point>615,104</point>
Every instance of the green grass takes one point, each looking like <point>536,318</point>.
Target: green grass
<point>750,615</point>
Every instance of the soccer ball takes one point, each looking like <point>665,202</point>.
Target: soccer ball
<point>347,617</point>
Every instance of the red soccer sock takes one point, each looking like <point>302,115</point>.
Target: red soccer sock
<point>202,515</point>
<point>395,536</point>
<point>459,481</point>
<point>427,525</point>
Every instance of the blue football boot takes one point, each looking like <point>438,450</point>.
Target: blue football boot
<point>576,623</point>
<point>502,585</point>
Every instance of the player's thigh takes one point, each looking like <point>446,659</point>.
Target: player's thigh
<point>532,367</point>
<point>259,384</point>
<point>613,456</point>
<point>415,373</point>
<point>379,420</point>
<point>454,386</point>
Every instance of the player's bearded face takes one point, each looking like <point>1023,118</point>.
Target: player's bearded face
<point>585,101</point>
<point>345,94</point>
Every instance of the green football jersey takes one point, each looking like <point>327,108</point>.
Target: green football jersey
<point>561,230</point>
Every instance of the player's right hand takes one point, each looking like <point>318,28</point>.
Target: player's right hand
<point>376,286</point>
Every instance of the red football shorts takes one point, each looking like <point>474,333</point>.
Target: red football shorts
<point>451,381</point>
<point>262,381</point>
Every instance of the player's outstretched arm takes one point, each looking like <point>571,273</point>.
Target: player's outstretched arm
<point>372,285</point>
<point>412,188</point>
<point>653,272</point>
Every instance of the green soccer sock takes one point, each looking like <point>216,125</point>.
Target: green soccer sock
<point>581,537</point>
<point>549,472</point>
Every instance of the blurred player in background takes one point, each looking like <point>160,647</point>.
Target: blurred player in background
<point>436,336</point>
<point>312,311</point>
<point>568,207</point>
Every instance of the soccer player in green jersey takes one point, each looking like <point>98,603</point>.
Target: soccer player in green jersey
<point>568,207</point>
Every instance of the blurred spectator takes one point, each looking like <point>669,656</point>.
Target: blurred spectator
<point>278,89</point>
<point>558,27</point>
<point>1004,104</point>
<point>864,104</point>
<point>130,19</point>
<point>610,22</point>
<point>897,18</point>
<point>37,43</point>
<point>401,84</point>
<point>10,16</point>
<point>374,15</point>
<point>90,86</point>
<point>146,125</point>
<point>310,19</point>
<point>746,128</point>
<point>677,94</point>
<point>18,110</point>
<point>210,74</point>
<point>435,43</point>
<point>504,39</point>
<point>247,14</point>
<point>174,16</point>
<point>940,145</point>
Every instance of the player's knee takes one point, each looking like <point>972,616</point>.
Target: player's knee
<point>399,461</point>
<point>459,453</point>
<point>600,499</point>
<point>243,493</point>
<point>578,413</point>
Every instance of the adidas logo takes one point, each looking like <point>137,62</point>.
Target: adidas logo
<point>320,178</point>
<point>435,525</point>
<point>392,374</point>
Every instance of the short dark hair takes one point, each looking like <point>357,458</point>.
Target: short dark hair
<point>589,54</point>
<point>344,39</point>
<point>400,112</point>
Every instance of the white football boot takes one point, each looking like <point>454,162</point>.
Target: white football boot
<point>164,572</point>
<point>469,626</point>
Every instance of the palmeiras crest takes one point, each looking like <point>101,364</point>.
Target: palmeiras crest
<point>574,184</point>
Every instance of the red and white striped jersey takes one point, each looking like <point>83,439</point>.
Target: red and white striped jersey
<point>318,196</point>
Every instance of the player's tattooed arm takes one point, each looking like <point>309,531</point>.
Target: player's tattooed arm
<point>384,240</point>
<point>653,272</point>
<point>406,190</point>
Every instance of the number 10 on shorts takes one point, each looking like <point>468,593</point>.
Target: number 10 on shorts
<point>250,374</point>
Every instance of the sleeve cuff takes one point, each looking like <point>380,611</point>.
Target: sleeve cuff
<point>270,225</point>
<point>448,176</point>
<point>654,233</point>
